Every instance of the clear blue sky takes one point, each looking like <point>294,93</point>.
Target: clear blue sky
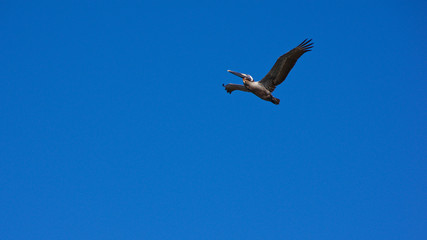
<point>114,123</point>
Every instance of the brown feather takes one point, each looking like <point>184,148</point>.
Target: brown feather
<point>284,64</point>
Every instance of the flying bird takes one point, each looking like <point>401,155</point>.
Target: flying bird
<point>274,77</point>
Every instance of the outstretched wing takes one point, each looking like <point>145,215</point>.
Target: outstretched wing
<point>284,65</point>
<point>232,87</point>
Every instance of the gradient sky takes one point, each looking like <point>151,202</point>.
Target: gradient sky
<point>114,123</point>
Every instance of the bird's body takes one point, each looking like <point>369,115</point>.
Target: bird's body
<point>259,90</point>
<point>274,77</point>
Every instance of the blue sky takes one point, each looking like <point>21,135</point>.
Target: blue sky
<point>114,123</point>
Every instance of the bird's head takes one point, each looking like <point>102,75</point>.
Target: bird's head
<point>245,77</point>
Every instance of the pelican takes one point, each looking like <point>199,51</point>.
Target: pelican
<point>274,77</point>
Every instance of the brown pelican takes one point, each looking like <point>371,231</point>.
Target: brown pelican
<point>276,76</point>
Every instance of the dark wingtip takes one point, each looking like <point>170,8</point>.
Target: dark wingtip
<point>226,89</point>
<point>306,45</point>
<point>302,42</point>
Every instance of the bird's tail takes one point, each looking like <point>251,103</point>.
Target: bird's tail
<point>275,100</point>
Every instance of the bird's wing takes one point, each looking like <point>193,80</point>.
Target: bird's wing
<point>284,65</point>
<point>231,87</point>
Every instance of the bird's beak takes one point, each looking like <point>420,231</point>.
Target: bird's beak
<point>237,73</point>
